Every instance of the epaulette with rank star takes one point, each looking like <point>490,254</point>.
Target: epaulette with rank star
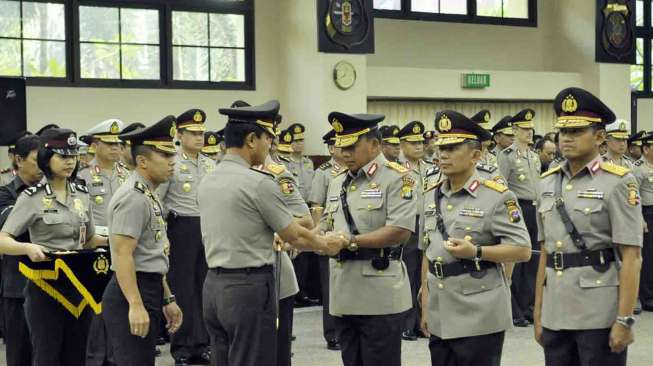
<point>325,166</point>
<point>336,172</point>
<point>4,171</point>
<point>495,186</point>
<point>551,171</point>
<point>78,186</point>
<point>638,162</point>
<point>432,171</point>
<point>433,186</point>
<point>275,169</point>
<point>486,167</point>
<point>427,162</point>
<point>626,157</point>
<point>284,158</point>
<point>396,167</point>
<point>507,150</point>
<point>140,187</point>
<point>33,189</point>
<point>614,169</point>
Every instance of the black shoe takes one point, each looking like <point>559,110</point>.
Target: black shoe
<point>181,361</point>
<point>520,322</point>
<point>409,335</point>
<point>202,359</point>
<point>333,345</point>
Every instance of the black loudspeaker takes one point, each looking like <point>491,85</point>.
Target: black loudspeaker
<point>615,31</point>
<point>13,108</point>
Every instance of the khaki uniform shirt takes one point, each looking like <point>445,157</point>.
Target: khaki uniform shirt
<point>180,193</point>
<point>644,173</point>
<point>521,171</point>
<point>379,195</point>
<point>135,211</point>
<point>623,161</point>
<point>241,209</point>
<point>102,187</point>
<point>603,203</point>
<point>321,180</point>
<point>303,171</point>
<point>465,306</point>
<point>51,223</point>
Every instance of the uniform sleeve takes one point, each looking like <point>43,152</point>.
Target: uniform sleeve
<point>625,210</point>
<point>7,201</point>
<point>318,188</point>
<point>271,205</point>
<point>503,160</point>
<point>130,216</point>
<point>293,197</point>
<point>401,211</point>
<point>420,242</point>
<point>21,217</point>
<point>639,174</point>
<point>508,223</point>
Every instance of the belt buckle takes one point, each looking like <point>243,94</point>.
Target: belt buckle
<point>558,261</point>
<point>439,270</point>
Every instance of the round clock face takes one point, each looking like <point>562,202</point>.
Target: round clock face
<point>344,75</point>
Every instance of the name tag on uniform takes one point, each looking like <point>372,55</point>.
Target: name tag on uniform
<point>471,212</point>
<point>371,193</point>
<point>591,193</point>
<point>97,184</point>
<point>429,213</point>
<point>547,194</point>
<point>333,198</point>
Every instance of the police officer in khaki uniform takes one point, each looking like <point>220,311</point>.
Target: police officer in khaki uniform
<point>412,148</point>
<point>617,143</point>
<point>211,147</point>
<point>323,177</point>
<point>644,174</point>
<point>138,292</point>
<point>482,118</point>
<point>374,202</point>
<point>390,143</point>
<point>521,168</point>
<point>187,262</point>
<point>471,225</point>
<point>57,214</point>
<point>241,209</point>
<point>589,215</point>
<point>502,134</point>
<point>299,164</point>
<point>127,161</point>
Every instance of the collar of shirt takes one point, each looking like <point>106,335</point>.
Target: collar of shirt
<point>592,168</point>
<point>368,169</point>
<point>18,185</point>
<point>470,186</point>
<point>235,159</point>
<point>138,177</point>
<point>95,169</point>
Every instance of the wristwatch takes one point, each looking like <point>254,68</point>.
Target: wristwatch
<point>353,246</point>
<point>169,300</point>
<point>626,321</point>
<point>478,257</point>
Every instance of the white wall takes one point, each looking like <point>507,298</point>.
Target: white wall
<point>645,114</point>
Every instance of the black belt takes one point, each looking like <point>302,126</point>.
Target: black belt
<point>365,254</point>
<point>561,261</point>
<point>442,271</point>
<point>245,270</point>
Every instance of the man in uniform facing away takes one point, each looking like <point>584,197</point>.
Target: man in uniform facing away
<point>589,219</point>
<point>373,201</point>
<point>241,209</point>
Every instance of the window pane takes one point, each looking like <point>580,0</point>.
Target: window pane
<point>227,30</point>
<point>227,64</point>
<point>99,61</point>
<point>190,29</point>
<point>640,51</point>
<point>43,20</point>
<point>489,8</point>
<point>140,62</point>
<point>426,6</point>
<point>639,13</point>
<point>140,26</point>
<point>98,24</point>
<point>9,19</point>
<point>453,7</point>
<point>44,58</point>
<point>636,78</point>
<point>515,9</point>
<point>387,4</point>
<point>190,63</point>
<point>9,57</point>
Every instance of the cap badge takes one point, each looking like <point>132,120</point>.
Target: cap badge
<point>569,104</point>
<point>529,116</point>
<point>287,137</point>
<point>173,130</point>
<point>212,140</point>
<point>72,140</point>
<point>114,129</point>
<point>416,129</point>
<point>486,118</point>
<point>444,124</point>
<point>622,126</point>
<point>297,129</point>
<point>198,117</point>
<point>337,126</point>
<point>395,132</point>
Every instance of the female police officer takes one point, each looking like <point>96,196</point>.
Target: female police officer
<point>56,212</point>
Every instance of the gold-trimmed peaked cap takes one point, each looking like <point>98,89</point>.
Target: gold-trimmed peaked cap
<point>158,136</point>
<point>504,126</point>
<point>454,128</point>
<point>192,120</point>
<point>577,108</point>
<point>619,129</point>
<point>329,138</point>
<point>349,127</point>
<point>211,141</point>
<point>389,134</point>
<point>524,118</point>
<point>412,132</point>
<point>483,118</point>
<point>263,115</point>
<point>285,140</point>
<point>636,138</point>
<point>62,141</point>
<point>297,130</point>
<point>105,131</point>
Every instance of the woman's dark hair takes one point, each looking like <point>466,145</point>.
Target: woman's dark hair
<point>43,160</point>
<point>235,133</point>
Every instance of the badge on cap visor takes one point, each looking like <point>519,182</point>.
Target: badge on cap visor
<point>444,124</point>
<point>72,140</point>
<point>569,104</point>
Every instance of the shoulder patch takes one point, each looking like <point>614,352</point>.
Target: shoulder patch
<point>396,167</point>
<point>495,186</point>
<point>614,169</point>
<point>325,166</point>
<point>432,171</point>
<point>551,171</point>
<point>262,172</point>
<point>486,168</point>
<point>275,169</point>
<point>433,186</point>
<point>140,187</point>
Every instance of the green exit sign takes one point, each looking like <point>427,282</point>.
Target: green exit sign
<point>475,81</point>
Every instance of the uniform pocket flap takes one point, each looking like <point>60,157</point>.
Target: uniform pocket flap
<point>591,278</point>
<point>371,204</point>
<point>471,285</point>
<point>393,270</point>
<point>52,219</point>
<point>97,191</point>
<point>545,206</point>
